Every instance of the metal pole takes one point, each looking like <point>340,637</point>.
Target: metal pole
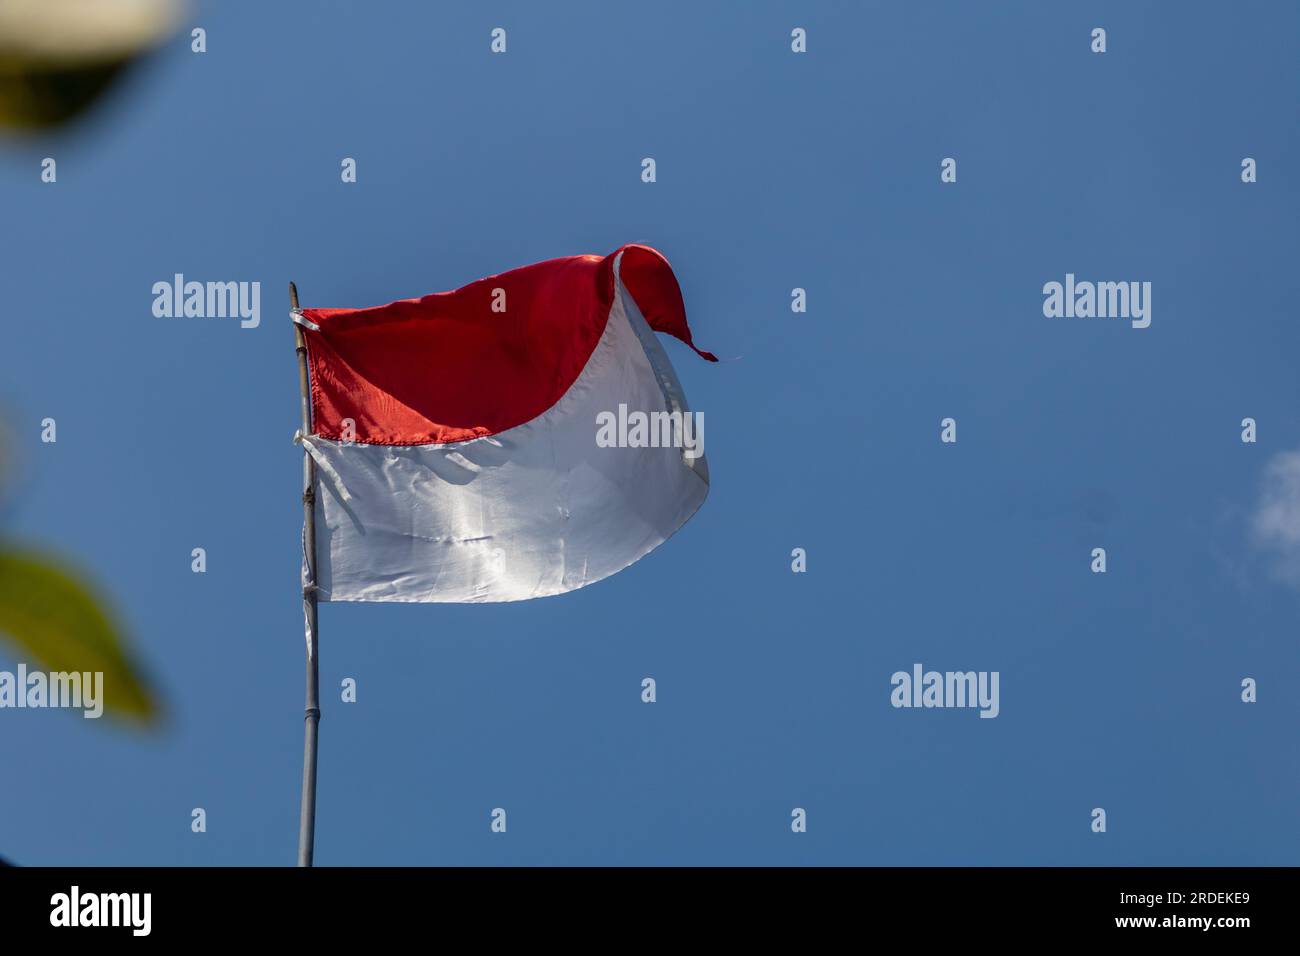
<point>307,818</point>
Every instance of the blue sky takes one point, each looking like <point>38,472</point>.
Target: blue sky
<point>775,170</point>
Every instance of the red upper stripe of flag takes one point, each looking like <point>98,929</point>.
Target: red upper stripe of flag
<point>447,368</point>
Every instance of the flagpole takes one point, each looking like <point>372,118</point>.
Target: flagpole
<point>307,817</point>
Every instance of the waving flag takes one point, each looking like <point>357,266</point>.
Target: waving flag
<point>522,436</point>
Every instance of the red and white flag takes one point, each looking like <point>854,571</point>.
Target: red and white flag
<point>524,435</point>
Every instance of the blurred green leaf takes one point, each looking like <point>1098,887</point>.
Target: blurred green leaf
<point>60,623</point>
<point>34,94</point>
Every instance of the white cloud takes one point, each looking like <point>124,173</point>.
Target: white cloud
<point>1276,522</point>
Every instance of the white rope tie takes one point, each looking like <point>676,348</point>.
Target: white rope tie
<point>309,445</point>
<point>299,319</point>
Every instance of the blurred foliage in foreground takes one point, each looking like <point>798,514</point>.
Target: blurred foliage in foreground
<point>57,57</point>
<point>60,624</point>
<point>58,621</point>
